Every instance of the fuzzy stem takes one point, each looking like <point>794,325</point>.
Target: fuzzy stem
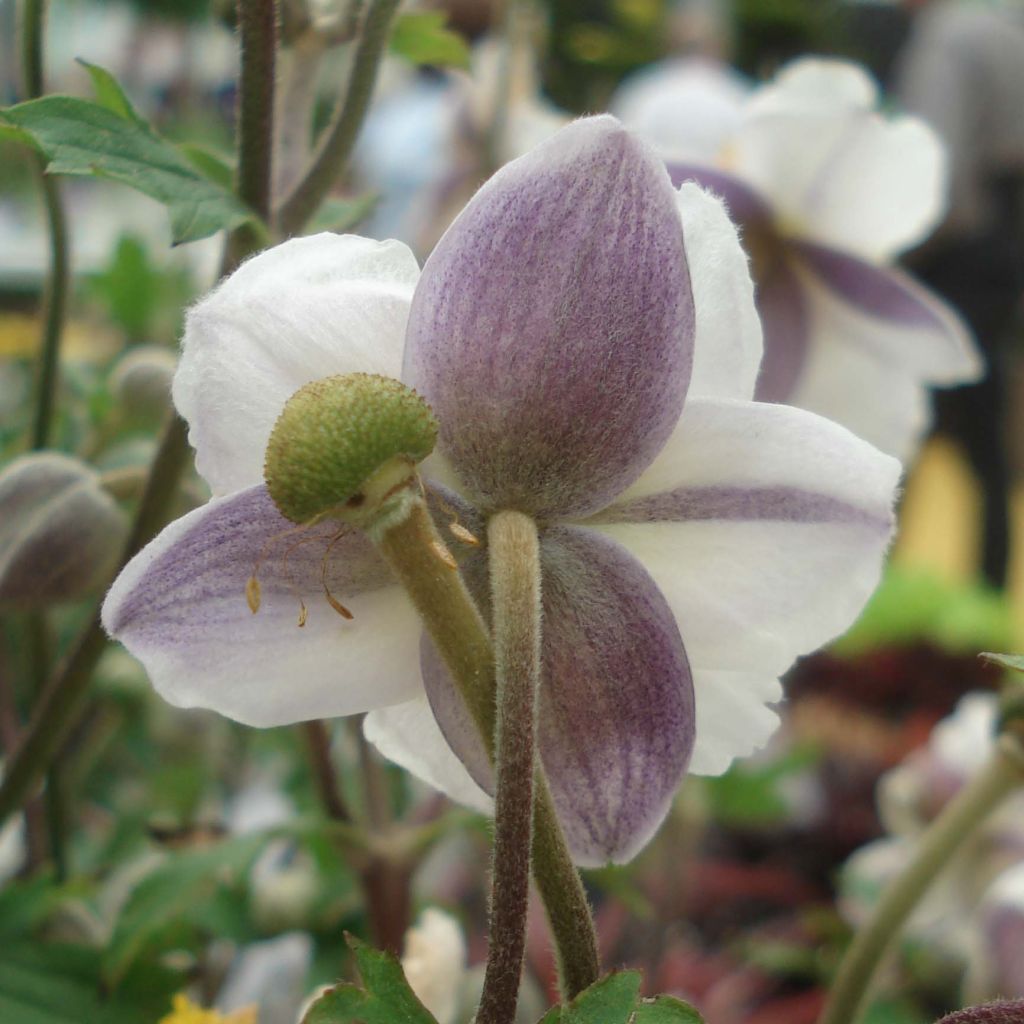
<point>516,610</point>
<point>33,16</point>
<point>340,136</point>
<point>958,822</point>
<point>414,550</point>
<point>258,27</point>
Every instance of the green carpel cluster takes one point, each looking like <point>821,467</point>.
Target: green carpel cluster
<point>335,435</point>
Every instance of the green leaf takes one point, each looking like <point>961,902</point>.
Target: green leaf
<point>108,139</point>
<point>109,93</point>
<point>167,897</point>
<point>424,38</point>
<point>1014,662</point>
<point>610,1000</point>
<point>214,166</point>
<point>665,1010</point>
<point>386,998</point>
<point>52,983</point>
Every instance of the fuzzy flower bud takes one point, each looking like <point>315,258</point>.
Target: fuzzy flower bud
<point>60,532</point>
<point>141,383</point>
<point>434,962</point>
<point>337,434</point>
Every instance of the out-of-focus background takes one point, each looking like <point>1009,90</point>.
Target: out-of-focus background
<point>742,903</point>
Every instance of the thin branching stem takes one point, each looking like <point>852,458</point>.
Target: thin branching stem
<point>339,138</point>
<point>956,825</point>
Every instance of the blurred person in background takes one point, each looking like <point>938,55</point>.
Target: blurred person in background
<point>962,70</point>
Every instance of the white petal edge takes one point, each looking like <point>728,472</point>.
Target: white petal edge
<point>264,670</point>
<point>728,344</point>
<point>751,596</point>
<point>884,190</point>
<point>885,406</point>
<point>816,83</point>
<point>408,735</point>
<point>306,309</point>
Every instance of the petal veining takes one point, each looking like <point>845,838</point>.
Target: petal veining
<point>180,607</point>
<point>765,528</point>
<point>552,329</point>
<point>616,706</point>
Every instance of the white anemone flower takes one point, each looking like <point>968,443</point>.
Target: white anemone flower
<point>828,192</point>
<point>587,339</point>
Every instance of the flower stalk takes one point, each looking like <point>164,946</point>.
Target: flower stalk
<point>516,609</point>
<point>960,820</point>
<point>417,554</point>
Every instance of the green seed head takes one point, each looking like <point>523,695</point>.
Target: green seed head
<point>334,435</point>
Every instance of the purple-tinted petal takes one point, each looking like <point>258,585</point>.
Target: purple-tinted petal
<point>745,205</point>
<point>932,339</point>
<point>784,320</point>
<point>616,708</point>
<point>749,503</point>
<point>180,607</point>
<point>552,329</point>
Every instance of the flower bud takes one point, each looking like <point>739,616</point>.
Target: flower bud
<point>341,444</point>
<point>141,383</point>
<point>434,962</point>
<point>1005,1011</point>
<point>60,532</point>
<point>996,963</point>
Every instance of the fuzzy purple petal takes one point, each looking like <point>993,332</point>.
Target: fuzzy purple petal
<point>552,328</point>
<point>180,606</point>
<point>745,205</point>
<point>785,322</point>
<point>616,718</point>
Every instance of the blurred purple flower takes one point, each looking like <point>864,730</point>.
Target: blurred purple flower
<point>586,367</point>
<point>827,193</point>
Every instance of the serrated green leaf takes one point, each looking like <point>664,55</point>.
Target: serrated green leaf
<point>109,93</point>
<point>80,137</point>
<point>610,1000</point>
<point>665,1010</point>
<point>422,37</point>
<point>385,999</point>
<point>1014,662</point>
<point>166,898</point>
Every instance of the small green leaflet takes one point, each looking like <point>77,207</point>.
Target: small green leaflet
<point>386,998</point>
<point>423,38</point>
<point>166,898</point>
<point>1014,662</point>
<point>616,999</point>
<point>108,139</point>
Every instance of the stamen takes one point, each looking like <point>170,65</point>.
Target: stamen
<point>455,528</point>
<point>331,599</point>
<point>252,594</point>
<point>302,613</point>
<point>444,554</point>
<point>460,533</point>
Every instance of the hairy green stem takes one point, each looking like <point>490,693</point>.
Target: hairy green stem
<point>339,138</point>
<point>257,29</point>
<point>33,17</point>
<point>516,612</point>
<point>958,822</point>
<point>415,551</point>
<point>55,300</point>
